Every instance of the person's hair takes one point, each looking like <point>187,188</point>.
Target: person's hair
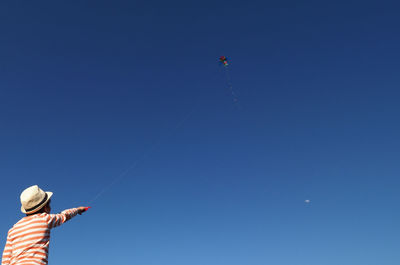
<point>41,210</point>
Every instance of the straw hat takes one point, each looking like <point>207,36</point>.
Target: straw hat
<point>33,199</point>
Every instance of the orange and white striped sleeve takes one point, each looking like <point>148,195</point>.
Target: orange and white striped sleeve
<point>5,260</point>
<point>55,220</point>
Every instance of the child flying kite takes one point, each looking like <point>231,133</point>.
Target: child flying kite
<point>28,240</point>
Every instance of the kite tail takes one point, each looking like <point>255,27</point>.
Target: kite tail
<point>230,87</point>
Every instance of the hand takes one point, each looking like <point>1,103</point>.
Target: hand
<point>82,209</point>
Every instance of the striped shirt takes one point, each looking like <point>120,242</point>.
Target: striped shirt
<point>28,240</point>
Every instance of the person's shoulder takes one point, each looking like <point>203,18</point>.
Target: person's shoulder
<point>31,218</point>
<point>43,216</point>
<point>21,222</point>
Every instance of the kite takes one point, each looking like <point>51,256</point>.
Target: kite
<point>224,60</point>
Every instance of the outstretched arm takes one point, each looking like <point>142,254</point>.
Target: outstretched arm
<point>55,220</point>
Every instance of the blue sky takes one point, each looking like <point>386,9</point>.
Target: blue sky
<point>91,89</point>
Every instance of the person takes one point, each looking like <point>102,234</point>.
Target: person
<point>28,240</point>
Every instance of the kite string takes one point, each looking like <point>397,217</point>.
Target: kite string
<point>145,154</point>
<point>122,174</point>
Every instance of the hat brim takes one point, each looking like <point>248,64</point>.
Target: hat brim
<point>49,194</point>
